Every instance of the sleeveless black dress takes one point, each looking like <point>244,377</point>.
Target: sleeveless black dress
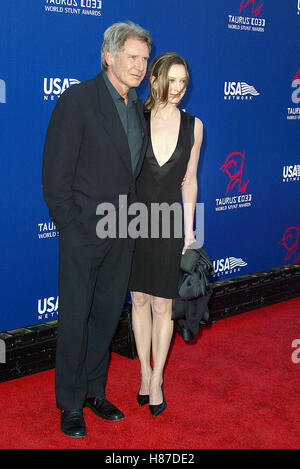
<point>156,260</point>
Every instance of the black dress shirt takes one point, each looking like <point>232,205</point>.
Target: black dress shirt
<point>130,119</point>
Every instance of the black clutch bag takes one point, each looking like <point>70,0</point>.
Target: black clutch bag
<point>191,307</point>
<point>196,267</point>
<point>189,260</point>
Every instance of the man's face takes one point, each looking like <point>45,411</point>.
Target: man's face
<point>128,69</point>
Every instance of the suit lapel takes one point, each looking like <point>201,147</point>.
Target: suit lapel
<point>111,121</point>
<point>112,124</point>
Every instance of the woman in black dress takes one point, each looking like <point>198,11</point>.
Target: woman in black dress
<point>175,139</point>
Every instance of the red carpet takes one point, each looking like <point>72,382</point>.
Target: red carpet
<point>237,387</point>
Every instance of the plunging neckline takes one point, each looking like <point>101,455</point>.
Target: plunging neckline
<point>160,166</point>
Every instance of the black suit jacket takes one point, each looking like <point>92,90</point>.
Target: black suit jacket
<point>86,155</point>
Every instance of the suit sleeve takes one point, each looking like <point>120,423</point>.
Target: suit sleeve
<point>61,152</point>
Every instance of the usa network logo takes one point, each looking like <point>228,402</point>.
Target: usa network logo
<point>293,113</point>
<point>47,308</point>
<point>236,195</point>
<point>2,92</point>
<point>291,173</point>
<point>253,23</point>
<point>239,91</point>
<point>54,87</point>
<point>229,265</point>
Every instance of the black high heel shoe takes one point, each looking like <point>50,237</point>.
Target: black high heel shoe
<point>142,399</point>
<point>159,408</point>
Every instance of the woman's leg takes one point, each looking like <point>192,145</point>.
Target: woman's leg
<point>162,331</point>
<point>142,327</point>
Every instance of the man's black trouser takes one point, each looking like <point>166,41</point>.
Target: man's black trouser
<point>93,279</point>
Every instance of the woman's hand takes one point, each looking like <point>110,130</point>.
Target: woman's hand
<point>187,242</point>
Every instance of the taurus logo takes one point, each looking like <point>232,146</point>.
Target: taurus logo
<point>2,91</point>
<point>233,166</point>
<point>290,241</point>
<point>255,11</point>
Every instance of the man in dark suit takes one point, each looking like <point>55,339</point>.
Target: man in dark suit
<point>94,148</point>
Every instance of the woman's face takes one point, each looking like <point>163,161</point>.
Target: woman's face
<point>177,83</point>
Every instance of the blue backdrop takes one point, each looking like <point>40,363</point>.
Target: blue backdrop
<point>245,82</point>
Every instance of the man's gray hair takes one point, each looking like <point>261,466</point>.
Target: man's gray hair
<point>116,35</point>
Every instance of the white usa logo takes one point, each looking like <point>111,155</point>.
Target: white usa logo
<point>238,90</point>
<point>54,87</point>
<point>228,265</point>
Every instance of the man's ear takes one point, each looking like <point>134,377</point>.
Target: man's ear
<point>109,57</point>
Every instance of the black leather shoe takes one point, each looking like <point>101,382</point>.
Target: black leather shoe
<point>142,399</point>
<point>72,423</point>
<point>103,408</point>
<point>159,408</point>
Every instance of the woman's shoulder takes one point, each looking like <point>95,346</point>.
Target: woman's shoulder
<point>198,124</point>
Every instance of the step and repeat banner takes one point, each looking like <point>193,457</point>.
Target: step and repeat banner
<point>244,58</point>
